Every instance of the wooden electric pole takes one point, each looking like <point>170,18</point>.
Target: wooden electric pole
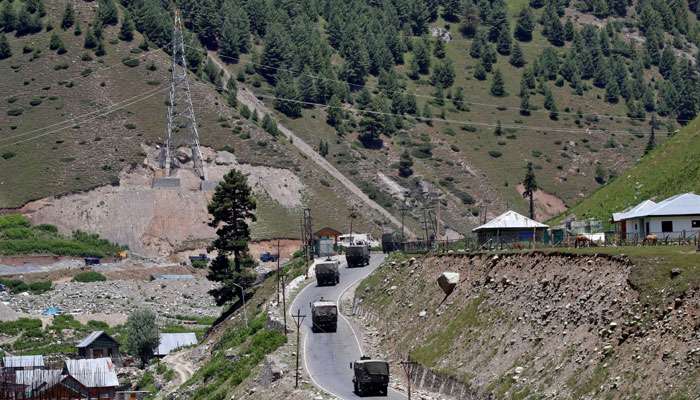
<point>298,318</point>
<point>408,366</point>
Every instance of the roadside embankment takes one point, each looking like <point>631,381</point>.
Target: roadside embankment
<point>554,325</point>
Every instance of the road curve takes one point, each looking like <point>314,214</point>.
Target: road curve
<point>248,98</point>
<point>327,356</point>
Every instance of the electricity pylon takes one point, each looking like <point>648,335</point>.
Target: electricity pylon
<point>181,123</point>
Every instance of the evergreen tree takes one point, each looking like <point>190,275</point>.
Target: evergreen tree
<point>414,69</point>
<point>126,32</point>
<point>78,30</point>
<point>287,96</point>
<point>529,78</point>
<point>55,42</point>
<point>470,21</point>
<point>231,92</point>
<point>517,59</point>
<point>374,123</point>
<point>537,3</point>
<point>100,49</point>
<point>235,32</point>
<point>107,12</point>
<point>8,19</point>
<point>651,143</point>
<point>458,98</point>
<point>421,54</point>
<point>497,84</point>
<point>232,207</point>
<point>569,30</point>
<point>525,102</point>
<point>667,63</point>
<point>5,50</point>
<point>550,104</point>
<point>503,43</point>
<point>68,16</point>
<point>356,66</point>
<point>612,91</point>
<point>439,49</point>
<point>443,74</point>
<point>270,126</point>
<point>36,7</point>
<point>427,114</point>
<point>27,22</point>
<point>90,40</point>
<point>530,186</point>
<point>498,18</point>
<point>524,25</point>
<point>478,45</point>
<point>480,71</point>
<point>405,165</point>
<point>364,99</point>
<point>323,148</point>
<point>308,88</point>
<point>276,52</point>
<point>420,18</point>
<point>451,10</point>
<point>335,112</point>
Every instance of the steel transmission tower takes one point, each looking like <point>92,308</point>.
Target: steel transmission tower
<point>181,123</point>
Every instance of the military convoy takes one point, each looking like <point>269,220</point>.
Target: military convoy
<point>370,377</point>
<point>327,272</point>
<point>324,316</point>
<point>357,255</point>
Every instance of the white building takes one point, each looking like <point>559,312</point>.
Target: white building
<point>673,218</point>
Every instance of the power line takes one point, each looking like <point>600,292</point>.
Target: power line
<point>403,90</point>
<point>86,120</point>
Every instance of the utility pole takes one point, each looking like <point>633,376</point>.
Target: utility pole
<point>284,303</point>
<point>278,271</point>
<point>352,215</point>
<point>408,367</point>
<point>298,318</point>
<point>403,210</point>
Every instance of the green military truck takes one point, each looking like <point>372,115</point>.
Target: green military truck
<point>370,377</point>
<point>324,316</point>
<point>357,255</point>
<point>327,272</point>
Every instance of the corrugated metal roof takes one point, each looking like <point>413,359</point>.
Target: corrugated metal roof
<point>681,204</point>
<point>89,339</point>
<point>174,341</point>
<point>92,373</point>
<point>38,377</point>
<point>23,361</point>
<point>168,277</point>
<point>511,220</point>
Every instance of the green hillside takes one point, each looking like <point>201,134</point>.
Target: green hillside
<point>671,169</point>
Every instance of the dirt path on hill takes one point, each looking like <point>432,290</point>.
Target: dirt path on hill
<point>246,97</point>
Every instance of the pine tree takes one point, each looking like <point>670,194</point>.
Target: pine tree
<point>68,16</point>
<point>525,102</point>
<point>458,98</point>
<point>232,207</point>
<point>612,91</point>
<point>100,49</point>
<point>78,30</point>
<point>36,7</point>
<point>413,69</point>
<point>90,40</point>
<point>427,114</point>
<point>276,52</point>
<point>55,42</point>
<point>651,143</point>
<point>287,96</point>
<point>373,124</point>
<point>443,74</point>
<point>489,57</point>
<point>27,22</point>
<point>550,104</point>
<point>107,12</point>
<point>503,45</point>
<point>525,25</point>
<point>335,112</point>
<point>421,54</point>
<point>323,148</point>
<point>235,32</point>
<point>5,50</point>
<point>231,92</point>
<point>497,84</point>
<point>530,186</point>
<point>439,49</point>
<point>480,71</point>
<point>667,63</point>
<point>356,66</point>
<point>569,30</point>
<point>478,44</point>
<point>8,18</point>
<point>405,165</point>
<point>364,99</point>
<point>308,88</point>
<point>470,21</point>
<point>126,32</point>
<point>270,126</point>
<point>517,59</point>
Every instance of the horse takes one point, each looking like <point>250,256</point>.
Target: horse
<point>650,240</point>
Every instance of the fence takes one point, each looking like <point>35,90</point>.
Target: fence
<point>472,244</point>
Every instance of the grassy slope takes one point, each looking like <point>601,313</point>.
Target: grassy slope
<point>672,168</point>
<point>90,154</point>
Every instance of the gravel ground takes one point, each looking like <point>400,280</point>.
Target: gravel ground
<point>120,297</point>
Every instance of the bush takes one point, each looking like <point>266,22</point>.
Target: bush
<point>89,276</point>
<point>15,112</point>
<point>35,102</point>
<point>130,62</point>
<point>495,153</point>
<point>7,155</point>
<point>423,150</point>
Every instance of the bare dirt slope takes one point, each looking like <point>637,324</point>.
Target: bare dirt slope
<point>559,326</point>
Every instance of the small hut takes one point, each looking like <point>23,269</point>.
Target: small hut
<point>510,227</point>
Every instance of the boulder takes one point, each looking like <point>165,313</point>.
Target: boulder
<point>448,281</point>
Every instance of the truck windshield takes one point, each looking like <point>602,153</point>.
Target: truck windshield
<point>376,368</point>
<point>326,310</point>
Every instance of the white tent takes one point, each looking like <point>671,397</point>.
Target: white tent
<point>511,220</point>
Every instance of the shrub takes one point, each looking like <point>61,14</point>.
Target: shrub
<point>423,150</point>
<point>35,102</point>
<point>495,153</point>
<point>89,276</point>
<point>86,72</point>
<point>14,112</point>
<point>130,62</point>
<point>7,155</point>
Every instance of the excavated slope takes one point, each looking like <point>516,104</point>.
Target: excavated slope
<point>551,325</point>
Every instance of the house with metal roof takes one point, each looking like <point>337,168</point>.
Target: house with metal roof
<point>16,363</point>
<point>170,342</point>
<point>91,378</point>
<point>98,344</point>
<point>673,218</point>
<point>510,227</point>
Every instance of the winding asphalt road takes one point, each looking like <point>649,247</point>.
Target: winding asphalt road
<point>327,356</point>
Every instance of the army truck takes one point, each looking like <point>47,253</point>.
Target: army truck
<point>370,377</point>
<point>357,255</point>
<point>327,272</point>
<point>324,316</point>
